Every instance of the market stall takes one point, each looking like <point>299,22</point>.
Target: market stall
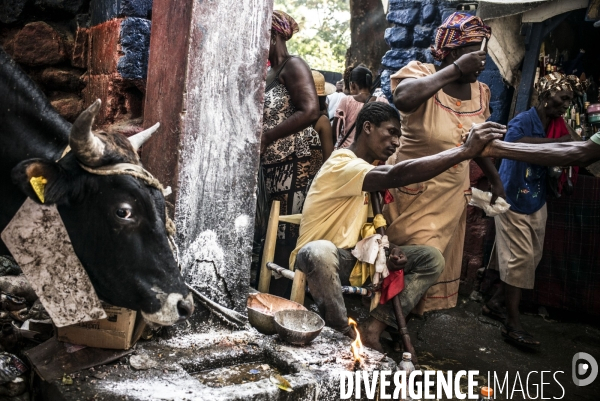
<point>530,40</point>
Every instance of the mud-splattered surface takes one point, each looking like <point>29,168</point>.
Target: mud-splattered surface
<point>223,365</point>
<point>39,242</point>
<point>456,339</point>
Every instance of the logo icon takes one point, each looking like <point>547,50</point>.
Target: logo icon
<point>585,369</point>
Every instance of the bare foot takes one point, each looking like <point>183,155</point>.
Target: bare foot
<point>370,332</point>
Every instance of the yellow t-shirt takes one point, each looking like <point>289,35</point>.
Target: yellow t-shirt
<point>336,207</point>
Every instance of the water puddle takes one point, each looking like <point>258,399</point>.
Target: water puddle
<point>236,374</point>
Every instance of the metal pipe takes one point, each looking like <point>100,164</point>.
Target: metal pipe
<point>346,289</point>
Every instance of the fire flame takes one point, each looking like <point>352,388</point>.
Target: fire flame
<point>356,347</point>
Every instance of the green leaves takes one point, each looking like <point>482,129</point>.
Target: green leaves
<point>324,31</point>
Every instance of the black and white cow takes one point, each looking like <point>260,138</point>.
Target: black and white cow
<point>116,222</point>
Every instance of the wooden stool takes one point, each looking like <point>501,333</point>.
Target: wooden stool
<point>299,283</point>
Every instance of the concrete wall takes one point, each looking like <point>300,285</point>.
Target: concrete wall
<point>206,87</point>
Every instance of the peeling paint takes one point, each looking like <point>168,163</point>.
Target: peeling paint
<point>241,223</point>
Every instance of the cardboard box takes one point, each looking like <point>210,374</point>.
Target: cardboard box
<point>120,330</point>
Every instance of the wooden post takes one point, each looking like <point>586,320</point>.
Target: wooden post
<point>298,287</point>
<point>205,86</point>
<point>535,33</point>
<point>269,249</point>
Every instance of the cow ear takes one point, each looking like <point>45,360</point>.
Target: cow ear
<point>38,179</point>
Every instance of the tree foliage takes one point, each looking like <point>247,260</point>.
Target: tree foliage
<point>324,33</point>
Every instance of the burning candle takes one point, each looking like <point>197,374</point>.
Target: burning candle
<point>356,347</point>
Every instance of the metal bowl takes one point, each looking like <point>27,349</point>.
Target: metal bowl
<point>262,307</point>
<point>298,327</point>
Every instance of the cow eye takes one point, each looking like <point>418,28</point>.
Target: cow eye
<point>123,212</point>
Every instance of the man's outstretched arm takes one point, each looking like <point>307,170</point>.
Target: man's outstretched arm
<point>425,168</point>
<point>554,154</point>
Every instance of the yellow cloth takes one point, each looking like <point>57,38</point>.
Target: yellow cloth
<point>431,212</point>
<point>336,207</point>
<point>362,270</point>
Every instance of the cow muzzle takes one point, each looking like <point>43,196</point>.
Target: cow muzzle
<point>174,308</point>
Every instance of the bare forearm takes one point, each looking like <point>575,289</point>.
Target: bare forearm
<point>295,123</point>
<point>529,139</point>
<point>488,169</point>
<point>411,93</point>
<point>553,154</point>
<point>413,171</point>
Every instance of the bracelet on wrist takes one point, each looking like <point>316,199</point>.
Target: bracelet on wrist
<point>457,67</point>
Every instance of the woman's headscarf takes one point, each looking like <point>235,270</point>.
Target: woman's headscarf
<point>283,24</point>
<point>556,82</point>
<point>458,30</point>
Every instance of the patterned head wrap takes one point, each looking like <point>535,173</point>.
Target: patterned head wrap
<point>458,30</point>
<point>556,82</point>
<point>283,24</point>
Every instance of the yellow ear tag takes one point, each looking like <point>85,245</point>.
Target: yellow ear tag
<point>39,184</point>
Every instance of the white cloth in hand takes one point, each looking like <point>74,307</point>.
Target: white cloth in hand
<point>481,199</point>
<point>372,250</point>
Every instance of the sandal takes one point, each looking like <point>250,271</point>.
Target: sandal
<point>519,337</point>
<point>496,314</point>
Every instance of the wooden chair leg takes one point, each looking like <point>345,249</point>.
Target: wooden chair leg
<point>269,249</point>
<point>298,287</point>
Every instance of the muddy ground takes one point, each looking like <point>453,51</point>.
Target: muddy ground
<point>460,338</point>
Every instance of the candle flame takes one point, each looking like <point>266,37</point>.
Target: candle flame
<point>356,347</point>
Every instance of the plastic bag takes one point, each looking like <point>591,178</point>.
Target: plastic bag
<point>481,199</point>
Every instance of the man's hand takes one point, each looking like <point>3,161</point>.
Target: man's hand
<point>480,135</point>
<point>472,62</point>
<point>489,150</point>
<point>397,259</point>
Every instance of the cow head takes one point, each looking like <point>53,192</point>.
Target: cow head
<point>116,222</point>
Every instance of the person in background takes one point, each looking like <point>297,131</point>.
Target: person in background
<point>346,80</point>
<point>291,152</point>
<point>344,127</point>
<point>335,98</point>
<point>520,231</point>
<point>438,105</point>
<point>322,126</point>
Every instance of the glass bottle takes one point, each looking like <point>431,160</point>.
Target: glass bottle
<point>407,366</point>
<point>578,127</point>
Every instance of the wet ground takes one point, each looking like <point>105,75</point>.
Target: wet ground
<point>226,365</point>
<point>462,339</point>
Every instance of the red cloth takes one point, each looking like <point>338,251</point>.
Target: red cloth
<point>387,197</point>
<point>556,129</point>
<point>392,285</point>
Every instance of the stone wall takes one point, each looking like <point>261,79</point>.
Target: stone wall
<point>413,32</point>
<point>81,50</point>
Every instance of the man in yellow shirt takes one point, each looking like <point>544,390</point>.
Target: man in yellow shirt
<point>337,206</point>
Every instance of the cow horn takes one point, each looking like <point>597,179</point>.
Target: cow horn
<point>88,148</point>
<point>140,138</point>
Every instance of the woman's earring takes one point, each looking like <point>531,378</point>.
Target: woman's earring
<point>546,104</point>
<point>273,42</point>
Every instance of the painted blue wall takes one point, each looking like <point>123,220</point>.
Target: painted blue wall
<point>413,32</point>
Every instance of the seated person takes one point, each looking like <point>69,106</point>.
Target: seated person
<point>337,206</point>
